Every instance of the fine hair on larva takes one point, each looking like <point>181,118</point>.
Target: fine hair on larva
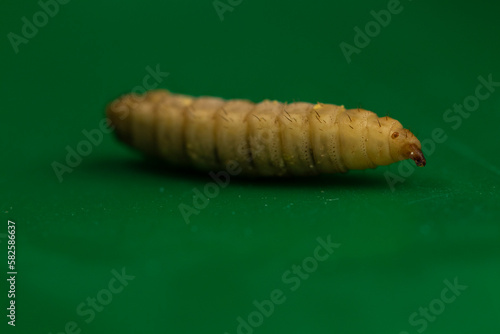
<point>267,138</point>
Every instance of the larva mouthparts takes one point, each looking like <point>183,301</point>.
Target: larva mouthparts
<point>417,155</point>
<point>264,139</point>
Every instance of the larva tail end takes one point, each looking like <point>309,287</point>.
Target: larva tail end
<point>417,155</point>
<point>118,113</point>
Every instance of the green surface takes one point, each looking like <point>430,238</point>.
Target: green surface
<point>114,210</point>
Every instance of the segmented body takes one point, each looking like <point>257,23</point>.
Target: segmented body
<point>266,138</point>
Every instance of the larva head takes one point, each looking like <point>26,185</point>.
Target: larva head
<point>404,145</point>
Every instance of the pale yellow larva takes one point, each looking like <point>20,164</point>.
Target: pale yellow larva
<point>268,138</point>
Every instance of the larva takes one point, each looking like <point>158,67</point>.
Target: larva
<point>268,138</point>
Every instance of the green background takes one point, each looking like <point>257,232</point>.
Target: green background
<point>115,210</point>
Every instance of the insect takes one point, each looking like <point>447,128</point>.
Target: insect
<point>267,138</point>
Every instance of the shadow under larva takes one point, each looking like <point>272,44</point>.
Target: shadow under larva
<point>259,139</point>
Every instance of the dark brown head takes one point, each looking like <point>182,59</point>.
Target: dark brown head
<point>404,145</point>
<point>416,155</point>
